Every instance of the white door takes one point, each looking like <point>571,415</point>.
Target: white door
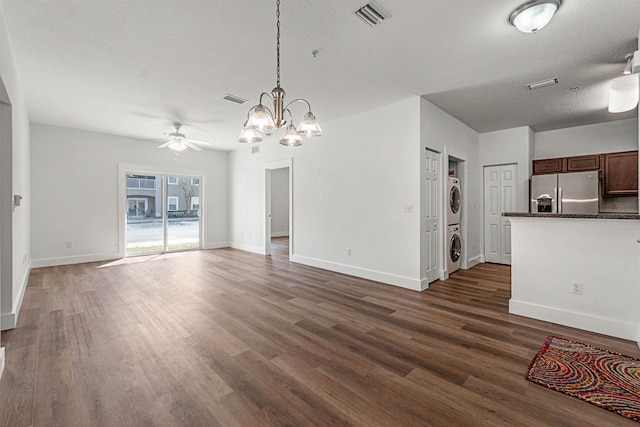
<point>508,203</point>
<point>431,217</point>
<point>500,195</point>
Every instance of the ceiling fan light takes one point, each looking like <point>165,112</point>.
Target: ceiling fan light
<point>624,94</point>
<point>250,134</point>
<point>309,126</point>
<point>261,119</point>
<point>291,138</point>
<point>177,145</point>
<point>534,15</point>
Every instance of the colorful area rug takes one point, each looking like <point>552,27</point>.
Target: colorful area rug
<point>603,378</point>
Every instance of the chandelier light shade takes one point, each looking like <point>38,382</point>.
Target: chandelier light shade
<point>624,93</point>
<point>291,138</point>
<point>534,15</point>
<point>263,120</point>
<point>250,134</point>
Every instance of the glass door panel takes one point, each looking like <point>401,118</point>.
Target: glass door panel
<point>183,213</point>
<point>144,219</point>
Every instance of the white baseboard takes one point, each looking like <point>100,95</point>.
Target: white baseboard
<point>78,259</point>
<point>1,360</point>
<point>378,276</point>
<point>600,325</point>
<point>215,245</point>
<point>280,234</point>
<point>10,320</point>
<point>248,248</point>
<point>475,261</point>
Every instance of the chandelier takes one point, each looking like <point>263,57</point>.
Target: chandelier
<point>261,119</point>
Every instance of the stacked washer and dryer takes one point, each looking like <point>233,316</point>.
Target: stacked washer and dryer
<point>454,240</point>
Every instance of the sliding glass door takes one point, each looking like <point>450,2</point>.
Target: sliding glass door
<point>183,213</point>
<point>163,213</point>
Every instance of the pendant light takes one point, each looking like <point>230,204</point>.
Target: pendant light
<point>261,119</point>
<point>534,15</point>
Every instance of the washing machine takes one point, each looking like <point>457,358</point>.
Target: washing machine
<point>454,248</point>
<point>454,200</point>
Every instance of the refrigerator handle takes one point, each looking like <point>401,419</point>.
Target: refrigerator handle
<point>554,202</point>
<point>559,199</point>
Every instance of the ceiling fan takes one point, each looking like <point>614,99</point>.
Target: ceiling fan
<point>178,141</point>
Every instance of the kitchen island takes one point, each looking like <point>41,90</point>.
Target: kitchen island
<point>579,270</point>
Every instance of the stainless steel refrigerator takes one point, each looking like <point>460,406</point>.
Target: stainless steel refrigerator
<point>565,193</point>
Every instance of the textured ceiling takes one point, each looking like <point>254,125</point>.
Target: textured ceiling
<point>132,67</point>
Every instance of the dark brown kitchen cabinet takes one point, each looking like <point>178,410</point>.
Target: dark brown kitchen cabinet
<point>620,174</point>
<point>590,162</point>
<point>544,166</point>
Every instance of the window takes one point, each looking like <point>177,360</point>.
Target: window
<point>173,180</point>
<point>172,203</point>
<point>195,181</point>
<point>195,203</point>
<point>141,182</point>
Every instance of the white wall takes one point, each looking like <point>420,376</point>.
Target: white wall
<point>18,250</point>
<point>445,134</point>
<point>550,254</point>
<point>75,191</point>
<point>608,137</point>
<point>280,202</point>
<point>350,187</point>
<point>506,147</point>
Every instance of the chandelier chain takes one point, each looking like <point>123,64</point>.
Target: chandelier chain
<point>278,42</point>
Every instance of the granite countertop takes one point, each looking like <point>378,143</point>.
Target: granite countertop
<point>582,216</point>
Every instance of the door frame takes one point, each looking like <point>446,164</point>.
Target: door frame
<point>268,167</point>
<point>138,169</point>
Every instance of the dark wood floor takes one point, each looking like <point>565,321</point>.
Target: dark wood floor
<point>225,337</point>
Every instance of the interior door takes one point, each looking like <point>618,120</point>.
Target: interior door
<point>508,203</point>
<point>500,195</point>
<point>492,214</point>
<point>431,216</point>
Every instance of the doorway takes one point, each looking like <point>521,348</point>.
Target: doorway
<point>278,225</point>
<point>162,213</point>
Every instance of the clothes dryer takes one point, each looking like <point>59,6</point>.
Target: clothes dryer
<point>453,201</point>
<point>454,248</point>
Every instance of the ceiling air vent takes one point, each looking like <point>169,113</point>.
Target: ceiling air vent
<point>235,99</point>
<point>372,14</point>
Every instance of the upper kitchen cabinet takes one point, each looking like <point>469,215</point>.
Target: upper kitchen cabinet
<point>590,162</point>
<point>557,165</point>
<point>620,174</point>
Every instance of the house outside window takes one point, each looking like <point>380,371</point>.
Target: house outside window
<point>195,181</point>
<point>172,203</point>
<point>195,203</point>
<point>172,180</point>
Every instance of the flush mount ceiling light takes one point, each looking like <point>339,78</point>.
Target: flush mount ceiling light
<point>265,120</point>
<point>533,15</point>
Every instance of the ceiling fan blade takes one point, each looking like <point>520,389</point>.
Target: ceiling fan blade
<point>203,143</point>
<point>192,146</point>
<point>165,144</point>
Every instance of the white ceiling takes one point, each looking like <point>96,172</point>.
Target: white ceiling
<point>132,67</point>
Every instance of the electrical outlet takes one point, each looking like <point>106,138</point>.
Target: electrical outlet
<point>348,251</point>
<point>69,245</point>
<point>576,288</point>
<point>408,208</point>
